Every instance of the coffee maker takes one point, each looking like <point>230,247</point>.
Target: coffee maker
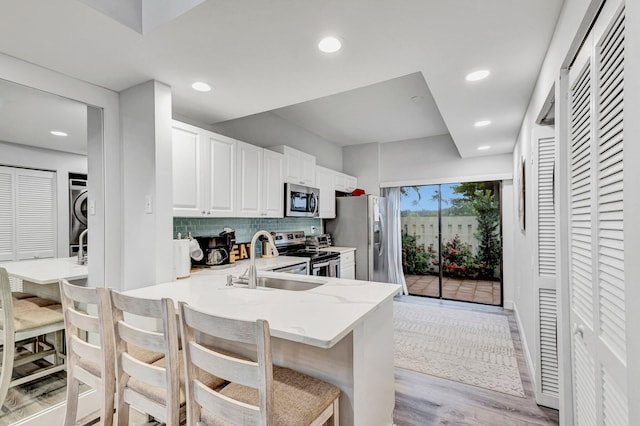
<point>216,249</point>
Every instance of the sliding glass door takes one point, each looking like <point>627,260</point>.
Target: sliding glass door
<point>451,241</point>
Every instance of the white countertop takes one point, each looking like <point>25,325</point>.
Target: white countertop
<point>46,271</point>
<point>262,264</point>
<point>338,249</point>
<point>319,317</point>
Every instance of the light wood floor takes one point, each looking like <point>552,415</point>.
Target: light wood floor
<point>427,400</point>
<point>462,289</point>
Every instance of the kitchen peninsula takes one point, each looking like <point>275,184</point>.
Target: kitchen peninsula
<point>340,331</point>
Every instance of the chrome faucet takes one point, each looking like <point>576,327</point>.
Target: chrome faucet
<point>82,256</point>
<point>253,274</point>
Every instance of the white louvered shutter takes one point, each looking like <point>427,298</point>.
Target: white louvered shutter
<point>546,208</point>
<point>580,201</point>
<point>597,284</point>
<point>7,214</point>
<point>35,214</point>
<point>610,189</point>
<point>548,341</point>
<point>546,356</point>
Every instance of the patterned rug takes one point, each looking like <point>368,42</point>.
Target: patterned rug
<point>468,347</point>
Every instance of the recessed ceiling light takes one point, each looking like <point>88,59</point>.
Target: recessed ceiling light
<point>329,45</point>
<point>483,148</point>
<point>201,86</point>
<point>58,133</point>
<point>482,123</point>
<point>477,75</point>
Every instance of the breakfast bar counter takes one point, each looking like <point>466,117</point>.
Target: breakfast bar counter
<point>340,331</point>
<point>41,276</point>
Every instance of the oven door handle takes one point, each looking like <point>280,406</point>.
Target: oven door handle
<point>320,265</point>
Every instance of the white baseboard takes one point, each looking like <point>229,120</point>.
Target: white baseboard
<point>55,415</point>
<point>508,304</point>
<point>525,348</point>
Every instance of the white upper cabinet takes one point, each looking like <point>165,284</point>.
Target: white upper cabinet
<point>187,147</point>
<point>203,172</point>
<point>217,176</point>
<point>300,167</point>
<point>221,153</point>
<point>249,173</point>
<point>273,184</point>
<point>345,183</point>
<point>325,182</point>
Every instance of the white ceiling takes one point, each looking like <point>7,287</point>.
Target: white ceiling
<point>261,56</point>
<point>27,116</point>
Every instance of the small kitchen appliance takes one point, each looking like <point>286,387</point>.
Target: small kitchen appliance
<point>215,249</point>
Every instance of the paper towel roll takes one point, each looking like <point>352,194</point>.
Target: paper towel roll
<point>181,258</point>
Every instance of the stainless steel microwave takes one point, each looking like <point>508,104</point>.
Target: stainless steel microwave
<point>301,201</point>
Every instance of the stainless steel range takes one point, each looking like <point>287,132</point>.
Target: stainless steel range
<point>322,263</point>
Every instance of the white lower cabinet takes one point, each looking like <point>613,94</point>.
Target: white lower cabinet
<point>348,264</point>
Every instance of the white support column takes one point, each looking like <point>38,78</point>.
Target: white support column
<point>145,116</point>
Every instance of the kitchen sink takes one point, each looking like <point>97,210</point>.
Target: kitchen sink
<point>286,284</point>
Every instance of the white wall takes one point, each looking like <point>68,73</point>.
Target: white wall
<point>436,160</point>
<point>571,28</point>
<point>60,162</point>
<point>268,129</point>
<point>106,159</point>
<point>363,161</point>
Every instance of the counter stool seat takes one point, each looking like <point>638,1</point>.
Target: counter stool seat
<point>25,320</point>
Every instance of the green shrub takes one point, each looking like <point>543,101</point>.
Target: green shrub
<point>415,260</point>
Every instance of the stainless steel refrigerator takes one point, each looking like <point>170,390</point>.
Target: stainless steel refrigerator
<point>361,222</point>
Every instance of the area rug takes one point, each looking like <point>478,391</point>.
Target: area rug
<point>469,347</point>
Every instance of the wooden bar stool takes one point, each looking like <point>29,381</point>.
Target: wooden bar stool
<point>259,393</point>
<point>25,322</point>
<point>151,388</point>
<point>90,350</point>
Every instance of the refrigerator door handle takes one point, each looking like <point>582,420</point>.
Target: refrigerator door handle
<point>381,250</point>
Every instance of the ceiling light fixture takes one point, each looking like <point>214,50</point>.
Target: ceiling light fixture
<point>483,148</point>
<point>482,123</point>
<point>477,75</point>
<point>58,133</point>
<point>201,86</point>
<point>329,45</point>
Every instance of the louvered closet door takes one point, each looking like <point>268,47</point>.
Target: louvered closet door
<point>35,198</point>
<point>7,214</point>
<point>596,240</point>
<point>546,356</point>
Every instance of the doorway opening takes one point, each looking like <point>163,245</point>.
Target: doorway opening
<point>452,241</point>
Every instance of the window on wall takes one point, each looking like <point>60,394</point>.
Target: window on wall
<point>452,241</point>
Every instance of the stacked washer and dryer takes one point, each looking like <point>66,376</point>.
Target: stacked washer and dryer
<point>77,211</point>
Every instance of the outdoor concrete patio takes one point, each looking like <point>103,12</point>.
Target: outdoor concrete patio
<point>466,290</point>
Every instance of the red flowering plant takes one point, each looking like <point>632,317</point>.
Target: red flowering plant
<point>415,260</point>
<point>458,261</point>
